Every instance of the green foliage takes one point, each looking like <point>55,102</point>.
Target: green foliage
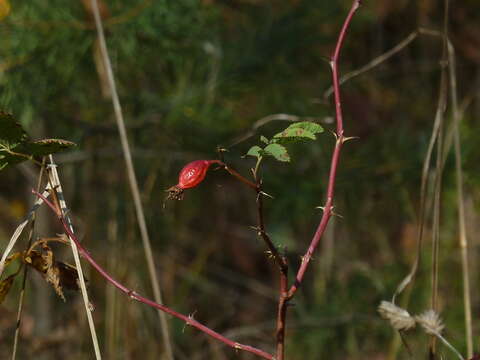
<point>255,151</point>
<point>278,151</point>
<point>15,146</point>
<point>297,132</point>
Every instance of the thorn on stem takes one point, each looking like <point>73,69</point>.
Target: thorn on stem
<point>333,213</point>
<point>337,215</point>
<point>305,258</point>
<point>348,138</point>
<point>265,194</point>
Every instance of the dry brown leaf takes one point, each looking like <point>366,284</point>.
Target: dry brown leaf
<point>44,262</point>
<point>6,283</point>
<point>57,273</point>
<point>69,276</point>
<point>5,286</point>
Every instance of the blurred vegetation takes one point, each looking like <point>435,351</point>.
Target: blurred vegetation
<point>193,75</point>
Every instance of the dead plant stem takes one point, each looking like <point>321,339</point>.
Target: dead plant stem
<point>57,195</point>
<point>132,180</point>
<point>463,241</point>
<point>25,272</point>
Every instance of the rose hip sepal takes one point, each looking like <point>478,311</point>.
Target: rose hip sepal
<point>190,176</point>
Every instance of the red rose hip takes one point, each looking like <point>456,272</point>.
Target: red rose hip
<point>190,176</point>
<point>193,174</point>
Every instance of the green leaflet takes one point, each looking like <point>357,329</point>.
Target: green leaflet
<point>278,151</point>
<point>299,131</point>
<point>16,147</point>
<point>255,151</point>
<point>304,130</point>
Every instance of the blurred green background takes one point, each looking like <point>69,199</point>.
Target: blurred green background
<point>193,75</point>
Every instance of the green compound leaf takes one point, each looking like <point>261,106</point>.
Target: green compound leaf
<point>16,147</point>
<point>304,130</point>
<point>255,151</point>
<point>309,126</point>
<point>278,151</point>
<point>47,146</point>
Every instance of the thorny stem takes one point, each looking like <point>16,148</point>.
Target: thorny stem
<point>273,251</point>
<point>282,315</point>
<point>287,294</point>
<point>279,259</point>
<point>282,263</point>
<point>340,139</point>
<point>189,320</point>
<point>239,177</point>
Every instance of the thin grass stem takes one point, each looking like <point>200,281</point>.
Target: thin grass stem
<point>463,241</point>
<point>25,272</point>
<point>54,180</point>
<point>132,179</point>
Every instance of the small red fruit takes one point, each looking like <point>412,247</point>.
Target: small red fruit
<point>190,176</point>
<point>193,174</point>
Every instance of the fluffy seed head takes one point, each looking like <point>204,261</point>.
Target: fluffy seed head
<point>431,322</point>
<point>399,318</point>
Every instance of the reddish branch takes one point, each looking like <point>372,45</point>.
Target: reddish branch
<point>282,264</point>
<point>189,320</point>
<point>272,249</point>
<point>285,293</point>
<point>340,140</point>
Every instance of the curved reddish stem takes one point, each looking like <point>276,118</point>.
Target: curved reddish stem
<point>328,207</point>
<point>189,320</point>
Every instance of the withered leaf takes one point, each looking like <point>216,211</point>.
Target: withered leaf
<point>57,273</point>
<point>52,275</point>
<point>69,276</point>
<point>44,263</point>
<point>5,286</point>
<point>6,283</point>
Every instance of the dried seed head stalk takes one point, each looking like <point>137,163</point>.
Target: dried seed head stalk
<point>399,318</point>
